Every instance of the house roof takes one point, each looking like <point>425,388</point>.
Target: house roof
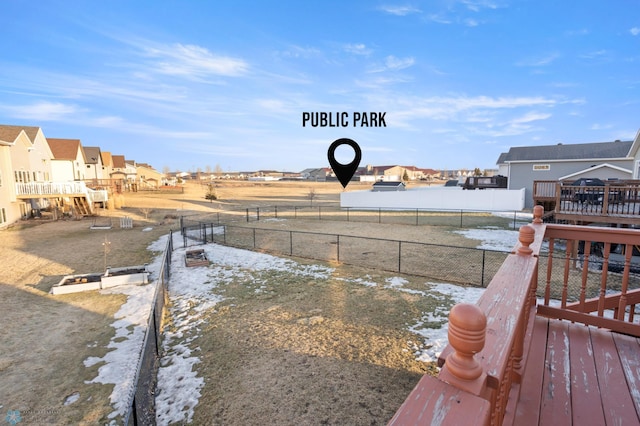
<point>10,133</point>
<point>65,149</point>
<point>106,158</point>
<point>389,183</point>
<point>600,166</point>
<point>118,161</point>
<point>636,145</point>
<point>92,154</point>
<point>597,150</point>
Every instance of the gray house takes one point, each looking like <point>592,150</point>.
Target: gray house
<point>603,160</point>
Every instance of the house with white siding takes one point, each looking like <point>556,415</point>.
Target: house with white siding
<point>69,162</point>
<point>25,157</point>
<point>604,160</point>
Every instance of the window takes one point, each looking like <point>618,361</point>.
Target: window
<point>541,167</point>
<point>3,216</point>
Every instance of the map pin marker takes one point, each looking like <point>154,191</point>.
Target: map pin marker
<point>344,172</point>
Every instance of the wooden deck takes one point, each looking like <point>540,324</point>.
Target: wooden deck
<point>579,375</point>
<point>618,202</point>
<point>552,341</point>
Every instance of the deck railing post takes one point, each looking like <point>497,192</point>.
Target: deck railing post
<point>467,331</point>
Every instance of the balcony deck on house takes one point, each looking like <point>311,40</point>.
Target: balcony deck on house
<point>554,339</point>
<point>82,197</point>
<point>617,202</point>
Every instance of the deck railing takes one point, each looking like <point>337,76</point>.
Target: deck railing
<point>62,189</point>
<point>51,188</point>
<point>592,276</point>
<point>489,341</point>
<point>614,199</point>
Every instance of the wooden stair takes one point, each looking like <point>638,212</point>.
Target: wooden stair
<point>81,206</point>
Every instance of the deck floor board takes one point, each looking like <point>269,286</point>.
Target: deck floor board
<point>583,376</point>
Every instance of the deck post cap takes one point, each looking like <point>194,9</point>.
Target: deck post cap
<point>526,236</point>
<point>538,211</point>
<point>467,330</point>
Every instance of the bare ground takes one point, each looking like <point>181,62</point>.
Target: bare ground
<point>253,378</point>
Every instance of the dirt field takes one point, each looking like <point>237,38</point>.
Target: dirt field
<point>46,338</point>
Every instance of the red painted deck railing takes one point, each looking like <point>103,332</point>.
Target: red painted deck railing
<point>615,199</point>
<point>592,277</point>
<point>483,365</point>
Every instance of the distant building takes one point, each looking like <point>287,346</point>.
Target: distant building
<point>94,162</point>
<point>25,157</point>
<point>384,186</point>
<point>69,162</point>
<point>603,160</point>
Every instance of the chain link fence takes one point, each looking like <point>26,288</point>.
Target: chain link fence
<point>453,218</point>
<point>141,406</point>
<point>463,265</point>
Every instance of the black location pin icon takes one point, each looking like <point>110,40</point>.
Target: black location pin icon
<point>344,172</point>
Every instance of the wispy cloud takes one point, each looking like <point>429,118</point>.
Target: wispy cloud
<point>531,116</point>
<point>439,18</point>
<point>478,5</point>
<point>189,60</point>
<point>635,31</point>
<point>596,54</point>
<point>358,49</point>
<point>539,61</point>
<point>41,111</point>
<point>580,32</point>
<point>484,115</point>
<point>393,63</point>
<point>399,10</point>
<point>295,51</point>
<point>598,126</point>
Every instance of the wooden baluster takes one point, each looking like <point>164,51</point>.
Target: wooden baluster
<point>622,306</point>
<point>565,280</point>
<point>603,279</point>
<point>605,201</point>
<point>585,273</point>
<point>547,289</point>
<point>467,330</point>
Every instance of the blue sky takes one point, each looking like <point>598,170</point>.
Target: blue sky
<point>196,84</point>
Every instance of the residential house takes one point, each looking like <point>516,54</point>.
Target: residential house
<point>634,152</point>
<point>603,160</point>
<point>388,186</point>
<point>69,162</point>
<point>123,170</point>
<point>94,163</point>
<point>25,157</point>
<point>147,176</point>
<point>316,174</point>
<point>397,173</point>
<point>107,164</point>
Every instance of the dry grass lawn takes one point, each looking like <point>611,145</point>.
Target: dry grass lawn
<point>45,338</point>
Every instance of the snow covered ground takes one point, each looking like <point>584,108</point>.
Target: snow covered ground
<point>193,293</point>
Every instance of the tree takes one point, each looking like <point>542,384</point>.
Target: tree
<point>218,171</point>
<point>405,176</point>
<point>146,211</point>
<point>211,193</point>
<point>477,172</point>
<point>311,195</point>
